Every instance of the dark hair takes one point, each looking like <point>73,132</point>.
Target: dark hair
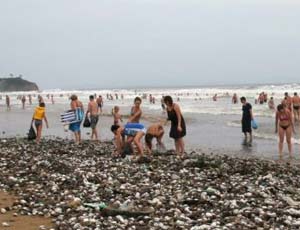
<point>114,128</point>
<point>286,93</point>
<point>137,99</point>
<point>42,104</point>
<point>280,107</point>
<point>168,100</point>
<point>295,93</point>
<point>73,97</point>
<point>91,97</point>
<point>148,140</point>
<point>243,99</point>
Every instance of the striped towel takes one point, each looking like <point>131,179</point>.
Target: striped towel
<point>72,116</point>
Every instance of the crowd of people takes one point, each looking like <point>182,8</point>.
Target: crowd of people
<point>287,114</point>
<point>133,131</point>
<point>128,135</point>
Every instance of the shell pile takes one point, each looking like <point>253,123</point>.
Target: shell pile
<point>69,183</point>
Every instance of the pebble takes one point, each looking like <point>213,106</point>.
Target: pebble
<point>5,224</point>
<point>3,210</point>
<point>57,178</point>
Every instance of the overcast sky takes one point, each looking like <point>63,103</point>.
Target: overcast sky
<point>127,43</point>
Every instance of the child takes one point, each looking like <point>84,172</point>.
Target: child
<point>117,116</point>
<point>38,117</point>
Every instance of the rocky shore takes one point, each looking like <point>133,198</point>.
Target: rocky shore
<point>83,187</point>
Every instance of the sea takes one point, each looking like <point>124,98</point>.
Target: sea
<point>212,126</point>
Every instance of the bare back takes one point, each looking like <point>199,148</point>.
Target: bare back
<point>93,108</point>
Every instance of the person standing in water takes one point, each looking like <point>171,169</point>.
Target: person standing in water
<point>284,126</point>
<point>271,103</point>
<point>38,117</point>
<point>296,106</point>
<point>93,111</point>
<point>287,102</point>
<point>100,103</point>
<point>247,117</point>
<point>23,100</point>
<point>52,99</point>
<point>178,128</point>
<point>136,112</point>
<point>7,98</point>
<point>215,97</point>
<point>117,116</point>
<point>30,99</point>
<point>234,99</point>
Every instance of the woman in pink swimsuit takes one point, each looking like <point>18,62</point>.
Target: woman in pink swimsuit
<point>284,126</point>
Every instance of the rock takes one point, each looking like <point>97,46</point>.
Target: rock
<point>58,179</point>
<point>5,224</point>
<point>3,210</point>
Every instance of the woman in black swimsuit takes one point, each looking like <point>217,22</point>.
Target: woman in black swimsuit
<point>178,128</point>
<point>284,126</point>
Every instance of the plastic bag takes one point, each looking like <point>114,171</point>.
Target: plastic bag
<point>31,133</point>
<point>254,124</point>
<point>86,122</point>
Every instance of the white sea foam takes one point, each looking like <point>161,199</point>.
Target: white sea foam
<point>196,100</point>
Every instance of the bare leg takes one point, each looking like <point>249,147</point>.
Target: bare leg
<point>77,137</point>
<point>250,134</point>
<point>288,140</point>
<point>281,139</point>
<point>137,142</point>
<point>39,134</point>
<point>181,146</point>
<point>245,138</point>
<point>177,146</point>
<point>96,134</point>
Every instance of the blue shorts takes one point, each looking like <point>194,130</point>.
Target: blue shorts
<point>75,127</point>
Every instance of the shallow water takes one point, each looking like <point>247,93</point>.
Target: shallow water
<point>206,131</point>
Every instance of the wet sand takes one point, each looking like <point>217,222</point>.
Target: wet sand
<point>205,132</point>
<point>17,221</point>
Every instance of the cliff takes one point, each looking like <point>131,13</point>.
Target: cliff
<point>17,84</point>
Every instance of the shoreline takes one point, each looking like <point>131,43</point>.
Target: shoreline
<point>58,179</point>
<point>205,132</point>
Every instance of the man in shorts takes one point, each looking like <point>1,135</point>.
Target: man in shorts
<point>93,111</point>
<point>247,117</point>
<point>155,131</point>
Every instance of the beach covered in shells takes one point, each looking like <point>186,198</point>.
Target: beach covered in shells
<point>84,187</point>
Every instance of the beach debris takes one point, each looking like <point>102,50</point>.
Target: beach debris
<point>84,187</point>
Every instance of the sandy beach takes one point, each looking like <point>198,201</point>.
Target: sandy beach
<point>11,218</point>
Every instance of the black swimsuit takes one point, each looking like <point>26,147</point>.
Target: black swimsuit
<point>174,133</point>
<point>284,126</point>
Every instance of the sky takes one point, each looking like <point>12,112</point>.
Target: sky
<point>71,44</point>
